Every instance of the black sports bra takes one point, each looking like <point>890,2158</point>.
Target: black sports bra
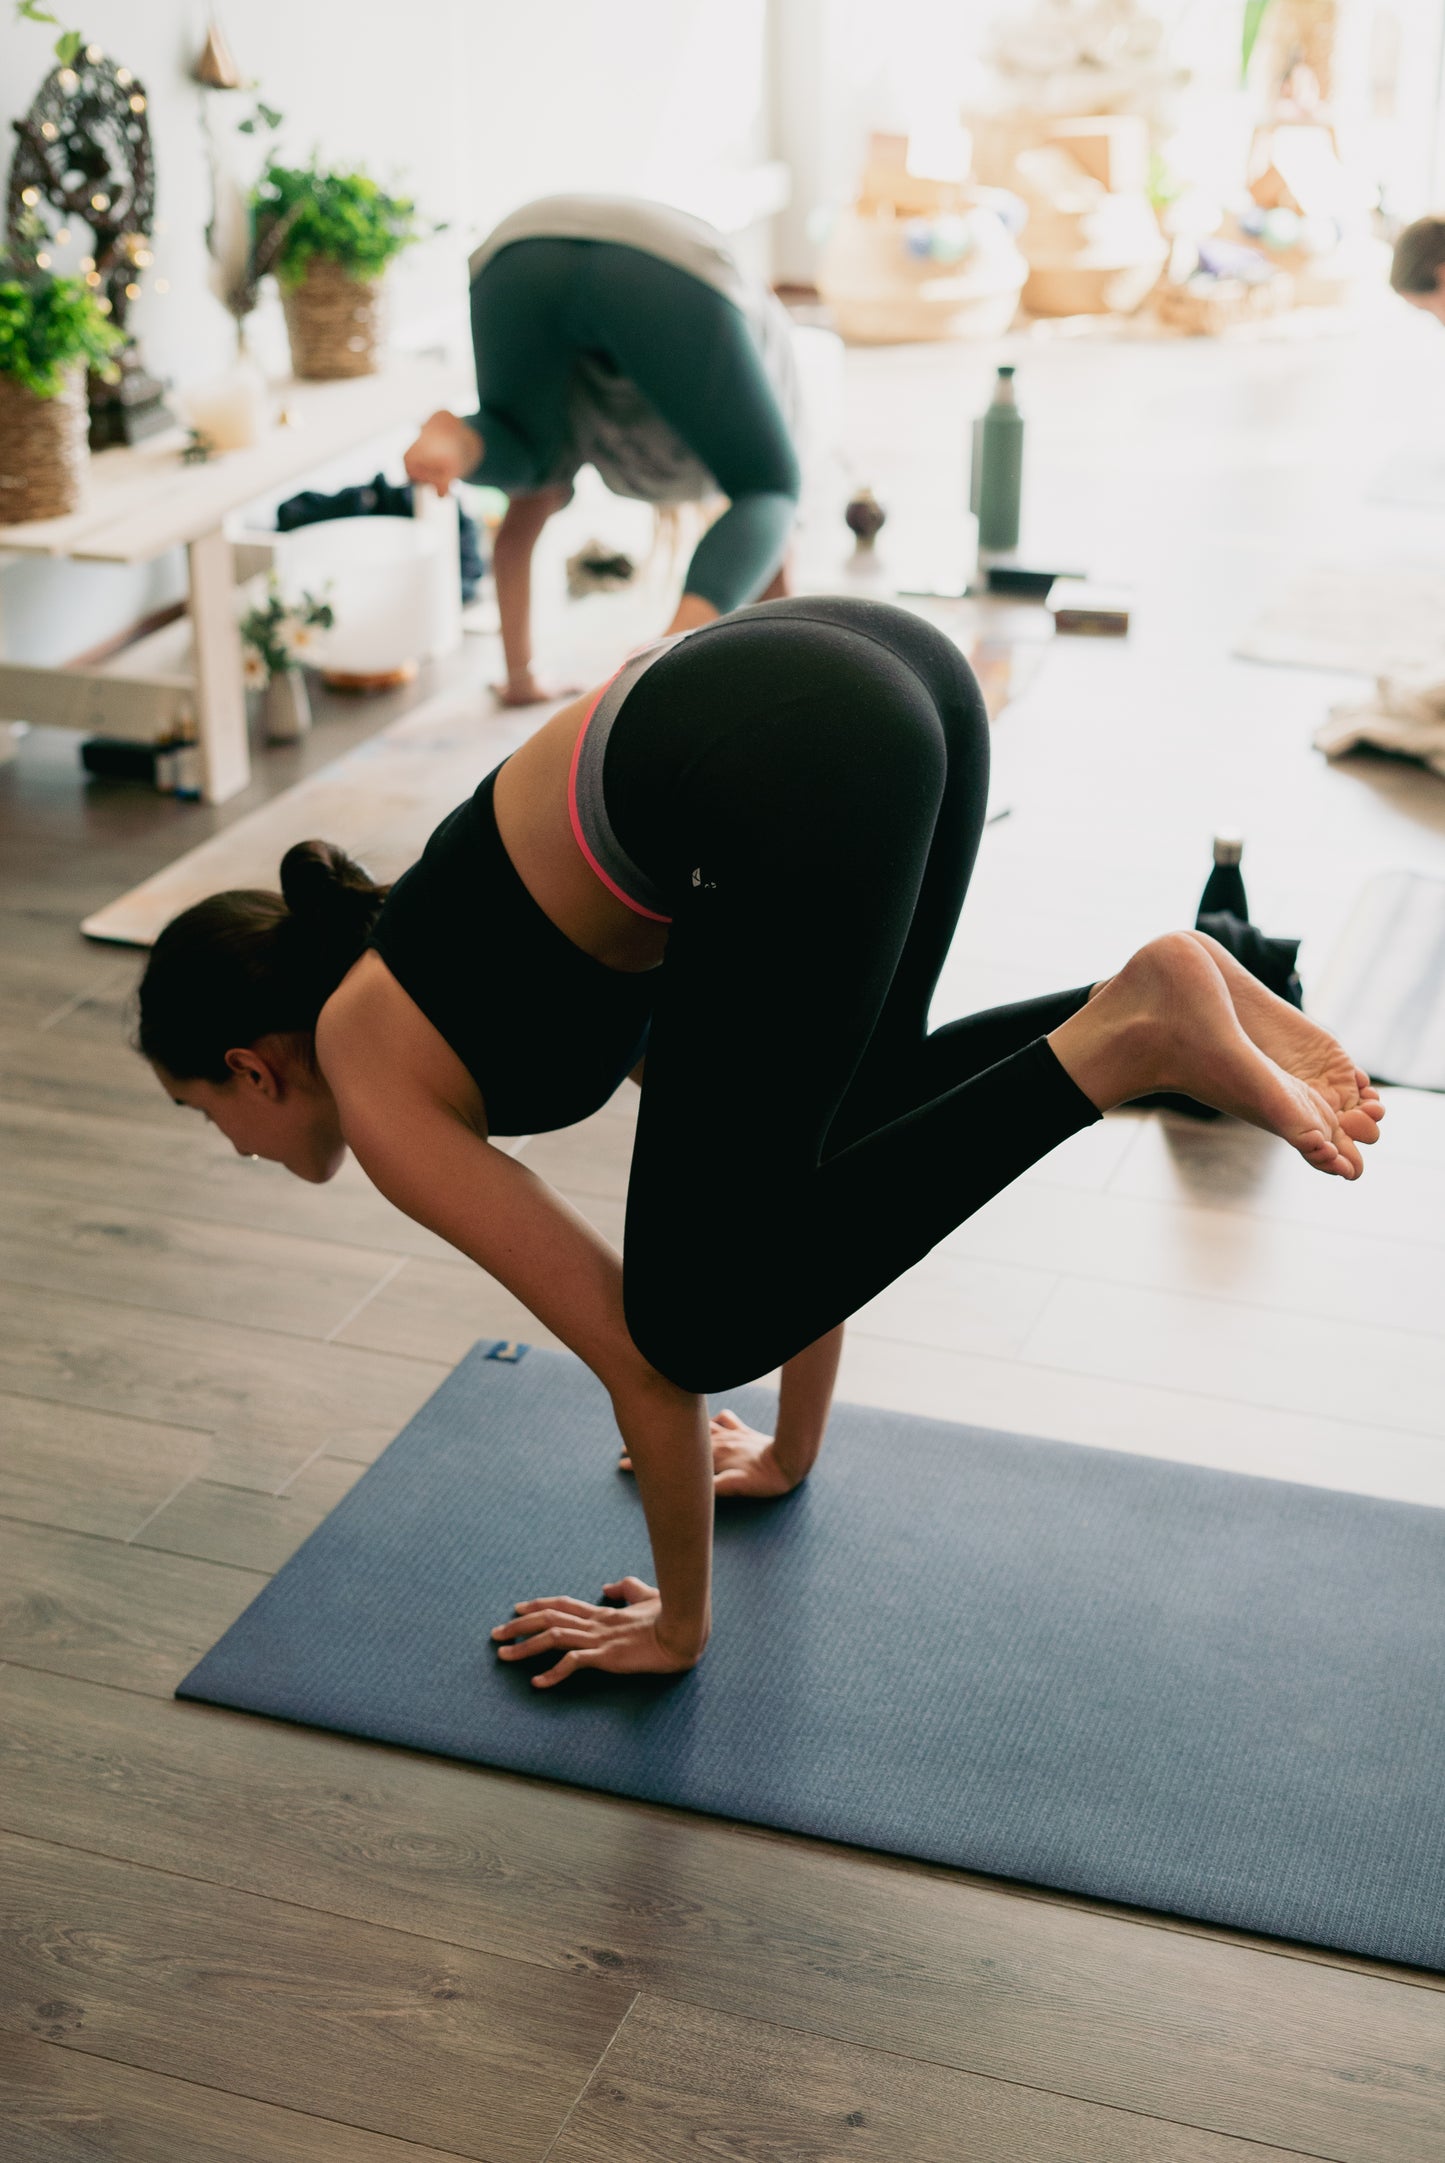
<point>546,1032</point>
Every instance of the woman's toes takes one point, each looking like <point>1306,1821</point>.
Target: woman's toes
<point>1360,1124</point>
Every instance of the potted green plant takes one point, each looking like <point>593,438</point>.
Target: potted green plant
<point>278,636</point>
<point>51,330</point>
<point>336,232</point>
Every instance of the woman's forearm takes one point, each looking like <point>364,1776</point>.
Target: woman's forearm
<point>512,570</point>
<point>804,1401</point>
<point>666,1433</point>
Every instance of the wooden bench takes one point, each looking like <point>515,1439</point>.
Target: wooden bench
<point>143,501</point>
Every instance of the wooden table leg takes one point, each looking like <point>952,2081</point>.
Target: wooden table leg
<point>220,692</point>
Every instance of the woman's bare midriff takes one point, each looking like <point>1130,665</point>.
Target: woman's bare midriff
<point>372,1033</point>
<point>533,819</point>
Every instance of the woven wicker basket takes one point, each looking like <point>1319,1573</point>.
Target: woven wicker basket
<point>43,449</point>
<point>335,322</point>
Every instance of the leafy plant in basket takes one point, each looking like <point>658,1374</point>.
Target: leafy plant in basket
<point>51,330</point>
<point>345,218</point>
<point>329,236</point>
<point>47,325</point>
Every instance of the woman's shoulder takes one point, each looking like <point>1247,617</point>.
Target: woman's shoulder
<point>375,1046</point>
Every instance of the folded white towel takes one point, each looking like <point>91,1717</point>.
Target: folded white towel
<point>1406,716</point>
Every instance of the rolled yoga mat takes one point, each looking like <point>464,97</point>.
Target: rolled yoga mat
<point>1383,992</point>
<point>1181,1689</point>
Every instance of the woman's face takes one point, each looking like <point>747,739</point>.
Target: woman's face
<point>268,1109</point>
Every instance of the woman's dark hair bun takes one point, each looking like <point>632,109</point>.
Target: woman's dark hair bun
<point>244,965</point>
<point>333,904</point>
<point>320,880</point>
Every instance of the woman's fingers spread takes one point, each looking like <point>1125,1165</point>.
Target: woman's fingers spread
<point>562,1602</point>
<point>624,1464</point>
<point>544,1618</point>
<point>565,1667</point>
<point>546,1641</point>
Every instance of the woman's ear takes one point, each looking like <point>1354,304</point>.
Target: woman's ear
<point>255,1072</point>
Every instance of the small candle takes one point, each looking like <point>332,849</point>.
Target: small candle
<point>230,411</point>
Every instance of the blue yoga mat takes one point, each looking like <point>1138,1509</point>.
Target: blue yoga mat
<point>1215,1696</point>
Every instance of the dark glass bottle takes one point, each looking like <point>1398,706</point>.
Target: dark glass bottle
<point>1224,888</point>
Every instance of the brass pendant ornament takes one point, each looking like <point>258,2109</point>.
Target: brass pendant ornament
<point>84,157</point>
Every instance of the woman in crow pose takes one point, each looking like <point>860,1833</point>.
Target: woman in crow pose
<point>743,860</point>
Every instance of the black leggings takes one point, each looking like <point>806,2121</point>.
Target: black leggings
<point>806,781</point>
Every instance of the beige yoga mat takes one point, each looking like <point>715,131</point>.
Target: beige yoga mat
<point>379,802</point>
<point>1369,621</point>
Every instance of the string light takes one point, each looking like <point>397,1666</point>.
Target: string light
<point>42,260</point>
<point>62,236</point>
<point>124,77</point>
<point>132,291</point>
<point>68,80</point>
<point>49,130</point>
<point>30,197</point>
<point>143,257</point>
<point>137,103</point>
<point>94,53</point>
<point>92,277</point>
<point>100,201</point>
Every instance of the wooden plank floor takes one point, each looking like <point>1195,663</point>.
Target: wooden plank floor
<point>226,1940</point>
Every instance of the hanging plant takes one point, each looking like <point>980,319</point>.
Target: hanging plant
<point>1254,14</point>
<point>69,43</point>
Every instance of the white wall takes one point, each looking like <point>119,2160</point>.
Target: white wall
<point>472,105</point>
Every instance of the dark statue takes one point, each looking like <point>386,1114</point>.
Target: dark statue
<point>84,152</point>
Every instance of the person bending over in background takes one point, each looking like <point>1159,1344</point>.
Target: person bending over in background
<point>623,335</point>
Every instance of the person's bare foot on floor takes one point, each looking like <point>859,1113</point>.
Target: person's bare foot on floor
<point>1167,1021</point>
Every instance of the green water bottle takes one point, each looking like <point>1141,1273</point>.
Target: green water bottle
<point>998,464</point>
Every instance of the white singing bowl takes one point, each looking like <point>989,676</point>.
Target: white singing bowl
<point>390,581</point>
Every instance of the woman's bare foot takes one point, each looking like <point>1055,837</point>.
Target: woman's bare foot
<point>1298,1044</point>
<point>1167,1021</point>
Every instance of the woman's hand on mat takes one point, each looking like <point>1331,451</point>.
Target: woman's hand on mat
<point>529,690</point>
<point>626,1640</point>
<point>744,1462</point>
